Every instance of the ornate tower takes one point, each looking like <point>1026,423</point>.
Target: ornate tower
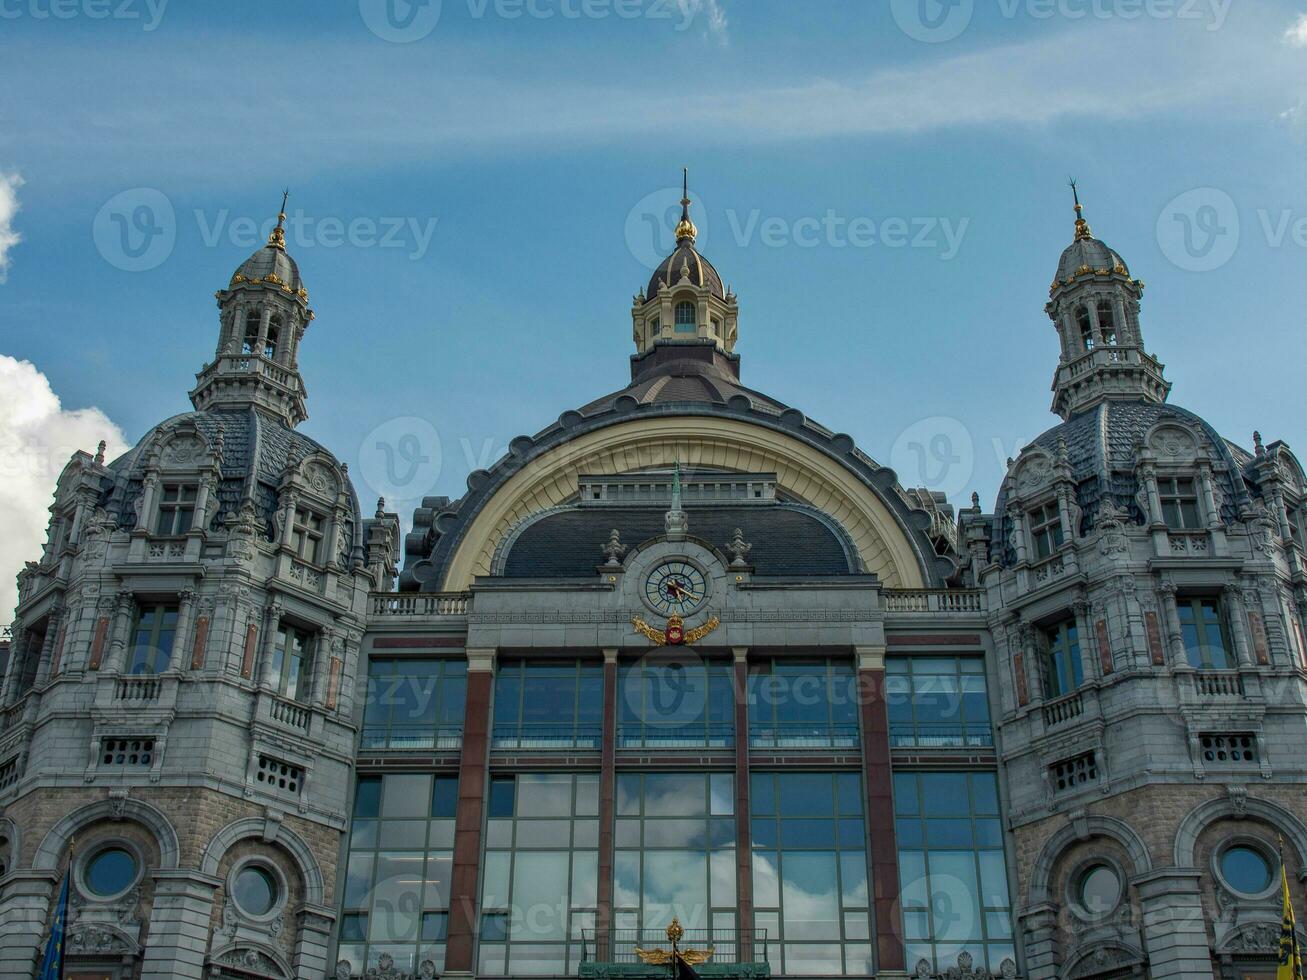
<point>264,312</point>
<point>1142,574</point>
<point>1094,305</point>
<point>685,303</point>
<point>180,698</point>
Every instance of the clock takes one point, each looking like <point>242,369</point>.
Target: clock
<point>675,588</point>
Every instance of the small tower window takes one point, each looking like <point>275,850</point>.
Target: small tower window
<point>716,327</point>
<point>252,320</point>
<point>274,335</point>
<point>1086,327</point>
<point>655,325</point>
<point>686,321</point>
<point>1107,323</point>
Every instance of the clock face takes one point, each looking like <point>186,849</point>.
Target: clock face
<point>675,588</point>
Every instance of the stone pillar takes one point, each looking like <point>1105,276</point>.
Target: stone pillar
<point>1174,634</point>
<point>1039,931</point>
<point>288,517</point>
<point>179,925</point>
<point>883,852</point>
<point>607,810</point>
<point>271,618</point>
<point>24,918</point>
<point>181,640</point>
<point>122,624</point>
<point>743,808</point>
<point>473,776</point>
<point>1238,617</point>
<point>1088,645</point>
<point>313,942</point>
<point>53,630</point>
<point>1173,924</point>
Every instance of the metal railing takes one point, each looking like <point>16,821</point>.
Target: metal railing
<point>553,736</point>
<point>651,736</point>
<point>728,945</point>
<point>395,738</point>
<point>786,736</point>
<point>941,736</point>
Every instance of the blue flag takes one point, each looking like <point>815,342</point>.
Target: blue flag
<point>52,967</point>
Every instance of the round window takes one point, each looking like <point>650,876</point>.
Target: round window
<point>1246,869</point>
<point>1100,889</point>
<point>255,890</point>
<point>110,872</point>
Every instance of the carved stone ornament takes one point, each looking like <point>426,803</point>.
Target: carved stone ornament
<point>385,970</point>
<point>1260,937</point>
<point>93,940</point>
<point>182,450</point>
<point>966,969</point>
<point>1035,472</point>
<point>321,479</point>
<point>738,548</point>
<point>1105,959</point>
<point>247,958</point>
<point>614,549</point>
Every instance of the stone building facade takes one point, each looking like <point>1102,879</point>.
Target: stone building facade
<point>682,656</point>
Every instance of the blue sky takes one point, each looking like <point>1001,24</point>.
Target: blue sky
<point>498,172</point>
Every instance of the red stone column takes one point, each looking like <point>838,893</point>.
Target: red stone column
<point>473,779</point>
<point>884,853</point>
<point>607,811</point>
<point>743,831</point>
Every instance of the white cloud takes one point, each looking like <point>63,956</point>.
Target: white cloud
<point>714,17</point>
<point>1296,35</point>
<point>9,184</point>
<point>37,437</point>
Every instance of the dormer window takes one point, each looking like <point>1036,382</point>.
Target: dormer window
<point>1179,503</point>
<point>306,535</point>
<point>176,509</point>
<point>686,318</point>
<point>1107,323</point>
<point>1046,530</point>
<point>1086,327</point>
<point>253,319</point>
<point>274,335</point>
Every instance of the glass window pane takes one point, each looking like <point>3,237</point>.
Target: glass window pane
<point>540,895</point>
<point>406,796</point>
<point>809,897</point>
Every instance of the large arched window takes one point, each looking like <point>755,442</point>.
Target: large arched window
<point>1107,322</point>
<point>1085,326</point>
<point>252,320</point>
<point>274,335</point>
<point>686,320</point>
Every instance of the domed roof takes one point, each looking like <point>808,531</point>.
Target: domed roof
<point>1089,253</point>
<point>685,371</point>
<point>257,449</point>
<point>791,538</point>
<point>270,264</point>
<point>1101,447</point>
<point>687,261</point>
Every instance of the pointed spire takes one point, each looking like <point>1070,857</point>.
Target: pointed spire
<point>278,237</point>
<point>675,520</point>
<point>1082,226</point>
<point>685,228</point>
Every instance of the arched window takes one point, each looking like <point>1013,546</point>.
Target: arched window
<point>1107,322</point>
<point>252,321</point>
<point>274,334</point>
<point>686,320</point>
<point>1086,327</point>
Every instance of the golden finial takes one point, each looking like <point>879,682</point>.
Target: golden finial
<point>685,227</point>
<point>278,237</point>
<point>1082,226</point>
<point>674,932</point>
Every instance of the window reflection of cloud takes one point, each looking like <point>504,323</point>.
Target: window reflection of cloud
<point>809,895</point>
<point>539,895</point>
<point>626,880</point>
<point>676,884</point>
<point>544,795</point>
